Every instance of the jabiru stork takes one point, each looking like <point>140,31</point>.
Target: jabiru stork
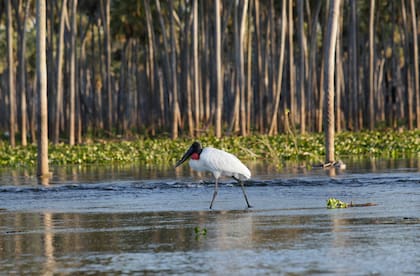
<point>218,162</point>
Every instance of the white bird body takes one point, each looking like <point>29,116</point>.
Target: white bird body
<point>218,162</point>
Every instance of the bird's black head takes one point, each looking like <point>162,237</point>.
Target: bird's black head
<point>195,148</point>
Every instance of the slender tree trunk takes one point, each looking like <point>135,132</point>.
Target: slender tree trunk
<point>249,91</point>
<point>312,74</point>
<point>152,71</point>
<point>330,46</point>
<point>219,74</point>
<point>273,124</point>
<point>408,73</point>
<point>106,19</point>
<point>372,91</point>
<point>339,77</point>
<point>197,91</point>
<point>22,72</point>
<point>166,58</point>
<point>353,80</point>
<point>42,169</point>
<point>11,75</point>
<point>292,71</point>
<point>59,79</point>
<point>72,100</point>
<point>175,106</point>
<point>302,68</point>
<point>242,28</point>
<point>260,72</point>
<point>415,61</point>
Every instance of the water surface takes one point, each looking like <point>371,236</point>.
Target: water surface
<point>156,221</point>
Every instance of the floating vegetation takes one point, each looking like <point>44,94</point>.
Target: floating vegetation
<point>200,232</point>
<point>158,151</point>
<point>333,203</point>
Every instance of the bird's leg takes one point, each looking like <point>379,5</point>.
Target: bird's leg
<point>214,194</point>
<point>243,190</point>
<point>246,198</point>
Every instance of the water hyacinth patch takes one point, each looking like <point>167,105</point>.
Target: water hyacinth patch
<point>161,151</point>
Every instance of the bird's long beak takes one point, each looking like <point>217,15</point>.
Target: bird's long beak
<point>187,154</point>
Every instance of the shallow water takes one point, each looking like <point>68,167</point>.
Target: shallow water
<point>156,221</point>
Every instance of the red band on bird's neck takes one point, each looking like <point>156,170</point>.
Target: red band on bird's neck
<point>195,156</point>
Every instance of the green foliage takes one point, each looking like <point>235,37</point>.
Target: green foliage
<point>333,203</point>
<point>308,147</point>
<point>200,232</point>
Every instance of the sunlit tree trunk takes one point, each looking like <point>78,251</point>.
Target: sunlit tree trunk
<point>41,64</point>
<point>302,68</point>
<point>175,106</point>
<point>259,75</point>
<point>353,77</point>
<point>58,109</point>
<point>11,75</point>
<point>197,90</point>
<point>415,61</point>
<point>330,45</point>
<point>372,91</point>
<point>219,74</point>
<point>339,78</point>
<point>273,124</point>
<point>292,70</point>
<point>72,100</point>
<point>22,67</point>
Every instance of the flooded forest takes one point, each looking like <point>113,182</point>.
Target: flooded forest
<point>188,68</point>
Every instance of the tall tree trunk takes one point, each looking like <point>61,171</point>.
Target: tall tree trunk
<point>175,106</point>
<point>219,73</point>
<point>242,28</point>
<point>302,68</point>
<point>415,61</point>
<point>22,69</point>
<point>273,124</point>
<point>408,74</point>
<point>166,58</point>
<point>330,46</point>
<point>197,90</point>
<point>239,113</point>
<point>11,75</point>
<point>260,72</point>
<point>152,71</point>
<point>372,91</point>
<point>312,74</point>
<point>42,168</point>
<point>59,79</point>
<point>106,19</point>
<point>292,71</point>
<point>339,77</point>
<point>72,100</point>
<point>353,78</point>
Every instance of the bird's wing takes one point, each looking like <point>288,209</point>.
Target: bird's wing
<point>225,163</point>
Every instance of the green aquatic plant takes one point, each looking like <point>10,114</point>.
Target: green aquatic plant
<point>333,203</point>
<point>307,148</point>
<point>200,232</point>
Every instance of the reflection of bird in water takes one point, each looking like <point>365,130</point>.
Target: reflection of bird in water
<point>218,162</point>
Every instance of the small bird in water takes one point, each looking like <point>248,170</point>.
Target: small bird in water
<point>218,162</point>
